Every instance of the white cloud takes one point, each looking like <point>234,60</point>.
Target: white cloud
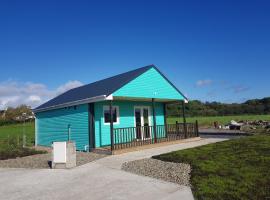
<point>13,93</point>
<point>34,98</point>
<point>202,83</point>
<point>240,88</point>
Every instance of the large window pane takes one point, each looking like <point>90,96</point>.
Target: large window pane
<point>107,116</point>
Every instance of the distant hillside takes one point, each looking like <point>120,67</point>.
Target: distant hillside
<point>198,108</point>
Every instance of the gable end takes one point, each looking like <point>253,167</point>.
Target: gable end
<point>150,84</point>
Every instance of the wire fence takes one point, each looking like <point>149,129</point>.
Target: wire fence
<point>14,146</point>
<point>16,141</point>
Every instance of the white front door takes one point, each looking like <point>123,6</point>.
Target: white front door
<point>142,122</point>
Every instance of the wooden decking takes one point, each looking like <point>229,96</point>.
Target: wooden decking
<point>107,150</point>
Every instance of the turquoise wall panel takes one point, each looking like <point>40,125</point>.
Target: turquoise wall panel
<point>150,84</point>
<point>53,126</point>
<point>126,115</point>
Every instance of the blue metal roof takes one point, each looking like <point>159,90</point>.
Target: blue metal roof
<point>97,90</point>
<point>103,87</point>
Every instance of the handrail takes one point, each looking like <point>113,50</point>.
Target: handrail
<point>137,136</point>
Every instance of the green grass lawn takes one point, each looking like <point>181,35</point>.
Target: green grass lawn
<point>17,129</point>
<point>13,133</point>
<point>234,169</point>
<point>11,141</point>
<point>209,121</point>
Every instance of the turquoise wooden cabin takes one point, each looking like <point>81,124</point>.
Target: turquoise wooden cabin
<point>119,112</point>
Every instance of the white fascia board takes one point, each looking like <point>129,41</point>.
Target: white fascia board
<point>109,97</point>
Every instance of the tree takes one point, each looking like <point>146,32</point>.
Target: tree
<point>12,114</point>
<point>198,108</point>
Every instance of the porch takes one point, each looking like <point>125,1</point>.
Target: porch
<point>139,136</point>
<point>145,132</point>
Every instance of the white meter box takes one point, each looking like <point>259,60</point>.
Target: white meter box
<point>59,152</point>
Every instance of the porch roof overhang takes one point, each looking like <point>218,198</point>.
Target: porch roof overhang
<point>105,98</point>
<point>144,99</point>
<point>73,103</point>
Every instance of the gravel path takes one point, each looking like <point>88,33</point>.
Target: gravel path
<point>42,160</point>
<point>172,172</point>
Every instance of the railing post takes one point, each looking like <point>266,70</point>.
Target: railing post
<point>111,126</point>
<point>165,119</point>
<point>154,119</point>
<point>184,118</point>
<point>177,128</point>
<point>197,128</point>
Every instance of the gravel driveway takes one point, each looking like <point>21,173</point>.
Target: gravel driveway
<point>42,160</point>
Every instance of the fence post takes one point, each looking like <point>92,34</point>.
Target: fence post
<point>165,119</point>
<point>184,118</point>
<point>111,125</point>
<point>177,128</point>
<point>24,140</point>
<point>197,128</point>
<point>154,119</point>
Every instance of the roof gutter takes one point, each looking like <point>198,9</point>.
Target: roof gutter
<point>73,103</point>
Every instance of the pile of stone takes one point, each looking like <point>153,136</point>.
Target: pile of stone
<point>257,123</point>
<point>172,172</point>
<point>247,125</point>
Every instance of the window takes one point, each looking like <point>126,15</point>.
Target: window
<point>106,113</point>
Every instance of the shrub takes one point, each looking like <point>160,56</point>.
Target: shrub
<point>11,152</point>
<point>13,148</point>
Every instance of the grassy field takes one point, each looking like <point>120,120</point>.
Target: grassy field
<point>13,134</point>
<point>209,121</point>
<point>234,169</point>
<point>17,129</point>
<point>11,141</point>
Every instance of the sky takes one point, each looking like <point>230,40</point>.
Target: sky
<point>211,50</point>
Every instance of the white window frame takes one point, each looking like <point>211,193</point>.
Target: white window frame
<point>117,115</point>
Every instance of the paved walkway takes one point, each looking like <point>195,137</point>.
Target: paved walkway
<point>102,179</point>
